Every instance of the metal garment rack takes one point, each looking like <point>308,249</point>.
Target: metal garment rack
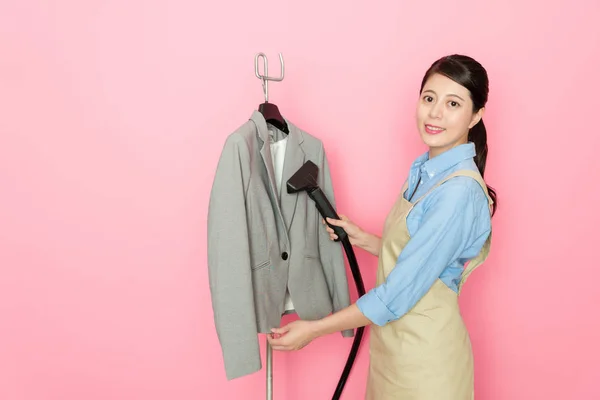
<point>265,82</point>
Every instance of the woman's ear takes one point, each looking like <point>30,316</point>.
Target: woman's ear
<point>477,117</point>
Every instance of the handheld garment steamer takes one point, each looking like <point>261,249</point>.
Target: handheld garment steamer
<point>305,179</point>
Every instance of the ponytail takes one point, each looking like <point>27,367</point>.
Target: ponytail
<point>478,135</point>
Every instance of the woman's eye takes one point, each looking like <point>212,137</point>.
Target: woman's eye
<point>454,104</point>
<point>428,99</point>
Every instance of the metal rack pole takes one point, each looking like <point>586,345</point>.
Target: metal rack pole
<point>270,362</point>
<point>269,371</point>
<point>265,79</point>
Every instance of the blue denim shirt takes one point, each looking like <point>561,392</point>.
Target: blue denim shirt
<point>447,228</point>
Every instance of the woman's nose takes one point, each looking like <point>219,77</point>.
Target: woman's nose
<point>435,111</point>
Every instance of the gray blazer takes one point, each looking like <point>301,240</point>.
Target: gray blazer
<point>259,245</point>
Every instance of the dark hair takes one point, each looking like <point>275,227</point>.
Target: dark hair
<point>469,73</point>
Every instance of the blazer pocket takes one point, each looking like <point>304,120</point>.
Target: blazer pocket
<point>261,265</point>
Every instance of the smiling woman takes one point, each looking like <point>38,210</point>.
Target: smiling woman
<point>441,220</point>
<point>456,89</point>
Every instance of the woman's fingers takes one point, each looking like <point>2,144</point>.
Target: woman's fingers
<point>343,222</point>
<point>337,222</point>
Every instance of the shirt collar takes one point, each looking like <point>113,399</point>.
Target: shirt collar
<point>445,160</point>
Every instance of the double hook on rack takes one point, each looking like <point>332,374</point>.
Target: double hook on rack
<point>269,110</point>
<point>266,78</point>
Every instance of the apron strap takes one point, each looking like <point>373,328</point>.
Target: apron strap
<point>482,256</point>
<point>485,250</point>
<point>475,262</point>
<point>404,187</point>
<point>465,172</point>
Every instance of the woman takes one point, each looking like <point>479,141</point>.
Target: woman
<point>419,347</point>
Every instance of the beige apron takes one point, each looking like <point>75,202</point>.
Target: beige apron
<point>426,354</point>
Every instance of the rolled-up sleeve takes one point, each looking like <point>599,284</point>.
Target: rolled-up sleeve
<point>453,219</point>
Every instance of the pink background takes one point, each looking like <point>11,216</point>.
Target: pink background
<point>112,118</point>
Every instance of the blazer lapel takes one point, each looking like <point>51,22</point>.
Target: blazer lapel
<point>265,152</point>
<point>294,159</point>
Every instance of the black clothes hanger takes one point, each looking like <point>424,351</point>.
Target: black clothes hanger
<point>269,110</point>
<point>273,116</point>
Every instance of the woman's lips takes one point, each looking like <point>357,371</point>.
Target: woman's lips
<point>433,130</point>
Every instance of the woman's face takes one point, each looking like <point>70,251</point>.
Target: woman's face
<point>445,114</point>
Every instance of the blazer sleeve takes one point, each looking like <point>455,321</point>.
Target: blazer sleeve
<point>331,253</point>
<point>229,268</point>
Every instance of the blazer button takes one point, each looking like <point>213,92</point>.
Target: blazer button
<point>284,255</point>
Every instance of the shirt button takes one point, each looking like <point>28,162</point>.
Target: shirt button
<point>284,255</point>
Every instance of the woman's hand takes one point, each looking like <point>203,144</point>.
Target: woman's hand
<point>355,233</point>
<point>298,334</point>
<point>293,336</point>
<point>357,236</point>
